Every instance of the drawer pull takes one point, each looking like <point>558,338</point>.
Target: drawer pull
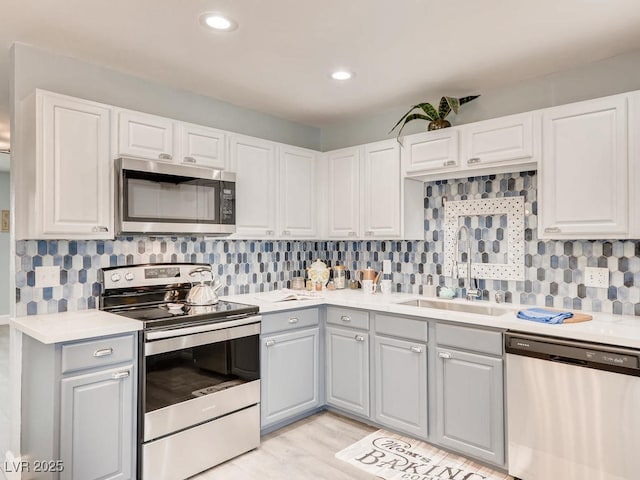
<point>189,160</point>
<point>415,349</point>
<point>345,318</point>
<point>270,342</point>
<point>123,374</point>
<point>473,160</point>
<point>351,234</point>
<point>359,338</point>
<point>294,320</point>
<point>99,229</point>
<point>552,230</point>
<point>286,232</point>
<point>210,407</point>
<point>165,156</point>
<point>269,232</point>
<point>449,163</point>
<point>103,352</point>
<point>444,354</point>
<point>368,233</point>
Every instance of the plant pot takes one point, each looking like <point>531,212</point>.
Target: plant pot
<point>438,124</point>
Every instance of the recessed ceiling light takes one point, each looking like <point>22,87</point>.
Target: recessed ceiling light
<point>218,21</point>
<point>341,75</point>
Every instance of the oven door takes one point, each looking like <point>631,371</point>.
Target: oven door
<point>157,197</point>
<point>196,374</point>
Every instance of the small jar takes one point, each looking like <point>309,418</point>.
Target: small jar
<point>297,283</point>
<point>340,276</point>
<point>319,286</point>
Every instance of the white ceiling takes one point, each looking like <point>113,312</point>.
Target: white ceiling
<point>279,59</point>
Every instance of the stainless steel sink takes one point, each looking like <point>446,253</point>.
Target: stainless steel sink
<point>457,307</point>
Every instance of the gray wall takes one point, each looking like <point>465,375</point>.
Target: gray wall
<point>4,246</point>
<point>606,77</point>
<point>36,68</point>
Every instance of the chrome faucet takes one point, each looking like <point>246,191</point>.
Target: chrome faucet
<point>471,292</point>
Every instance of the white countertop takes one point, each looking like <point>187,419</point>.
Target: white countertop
<point>611,329</point>
<point>620,330</point>
<point>69,326</point>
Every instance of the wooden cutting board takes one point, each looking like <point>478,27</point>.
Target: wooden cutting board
<point>577,316</point>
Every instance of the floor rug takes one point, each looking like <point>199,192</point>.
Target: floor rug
<point>394,457</point>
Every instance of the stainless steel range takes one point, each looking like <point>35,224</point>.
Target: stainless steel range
<point>199,386</point>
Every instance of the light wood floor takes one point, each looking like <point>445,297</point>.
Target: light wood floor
<point>303,450</point>
<point>4,390</point>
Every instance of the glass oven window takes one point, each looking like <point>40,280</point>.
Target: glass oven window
<point>177,376</point>
<point>163,198</point>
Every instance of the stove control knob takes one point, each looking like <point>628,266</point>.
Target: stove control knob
<point>115,277</point>
<point>129,276</point>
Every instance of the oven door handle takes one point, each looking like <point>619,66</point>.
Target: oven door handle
<point>163,341</point>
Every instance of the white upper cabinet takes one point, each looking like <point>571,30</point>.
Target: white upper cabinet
<point>584,173</point>
<point>298,192</point>
<point>430,151</point>
<point>343,193</point>
<point>145,136</point>
<point>254,162</point>
<point>152,137</point>
<point>498,141</point>
<point>381,190</point>
<point>63,178</point>
<point>201,145</point>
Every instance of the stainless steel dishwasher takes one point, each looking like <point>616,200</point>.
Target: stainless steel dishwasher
<point>573,409</point>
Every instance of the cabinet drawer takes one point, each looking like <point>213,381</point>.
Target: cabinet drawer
<point>97,353</point>
<point>401,327</point>
<point>277,322</point>
<point>348,317</point>
<point>476,339</point>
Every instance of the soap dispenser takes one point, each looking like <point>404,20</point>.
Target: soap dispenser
<point>429,289</point>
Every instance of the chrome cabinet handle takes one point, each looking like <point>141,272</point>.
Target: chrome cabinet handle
<point>444,354</point>
<point>294,320</point>
<point>189,159</point>
<point>103,352</point>
<point>415,349</point>
<point>119,375</point>
<point>449,163</point>
<point>270,342</point>
<point>552,230</point>
<point>165,156</point>
<point>286,232</point>
<point>210,407</point>
<point>99,229</point>
<point>269,232</point>
<point>473,160</point>
<point>359,338</point>
<point>352,234</point>
<point>345,318</point>
<point>368,233</point>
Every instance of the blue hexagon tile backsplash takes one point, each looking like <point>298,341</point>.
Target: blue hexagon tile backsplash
<point>553,269</point>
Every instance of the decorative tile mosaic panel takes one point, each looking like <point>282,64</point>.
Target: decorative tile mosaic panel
<point>553,270</point>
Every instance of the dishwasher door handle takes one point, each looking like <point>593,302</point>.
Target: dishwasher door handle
<point>568,360</point>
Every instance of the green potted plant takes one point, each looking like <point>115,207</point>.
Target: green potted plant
<point>436,118</point>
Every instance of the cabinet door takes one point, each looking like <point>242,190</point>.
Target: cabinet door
<point>75,168</point>
<point>501,140</point>
<point>348,370</point>
<point>344,193</point>
<point>97,425</point>
<point>381,190</point>
<point>470,408</point>
<point>424,152</point>
<point>634,165</point>
<point>401,385</point>
<point>202,146</point>
<point>254,162</point>
<point>298,193</point>
<point>145,136</point>
<point>289,370</point>
<point>583,181</point>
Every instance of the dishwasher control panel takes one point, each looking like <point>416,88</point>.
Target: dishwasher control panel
<point>584,354</point>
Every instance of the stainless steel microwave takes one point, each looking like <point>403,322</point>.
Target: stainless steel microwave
<point>159,197</point>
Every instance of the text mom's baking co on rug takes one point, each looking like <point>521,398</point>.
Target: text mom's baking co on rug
<point>393,457</point>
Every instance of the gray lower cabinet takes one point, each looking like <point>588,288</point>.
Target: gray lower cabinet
<point>347,369</point>
<point>290,375</point>
<point>79,408</point>
<point>400,376</point>
<point>470,400</point>
<point>95,415</point>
